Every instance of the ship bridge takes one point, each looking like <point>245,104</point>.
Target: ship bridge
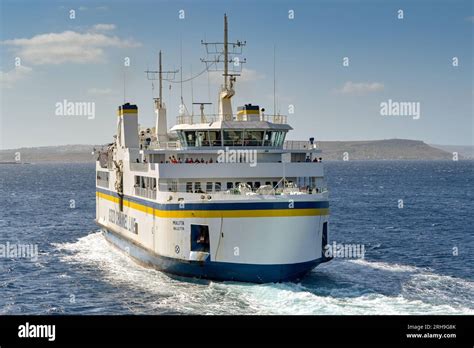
<point>206,131</point>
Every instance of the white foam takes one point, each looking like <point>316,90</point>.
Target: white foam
<point>338,287</point>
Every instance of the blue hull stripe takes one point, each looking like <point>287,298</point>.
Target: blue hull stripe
<point>222,271</point>
<point>222,206</point>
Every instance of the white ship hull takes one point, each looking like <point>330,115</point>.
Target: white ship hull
<point>260,240</point>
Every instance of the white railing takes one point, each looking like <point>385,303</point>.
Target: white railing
<point>278,119</point>
<point>166,145</point>
<point>208,118</point>
<point>268,190</point>
<point>194,119</point>
<point>299,145</point>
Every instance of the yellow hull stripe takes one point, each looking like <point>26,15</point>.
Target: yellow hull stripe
<point>215,213</point>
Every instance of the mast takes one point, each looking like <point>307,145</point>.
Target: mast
<point>226,52</point>
<point>160,73</point>
<point>161,127</point>
<point>274,82</point>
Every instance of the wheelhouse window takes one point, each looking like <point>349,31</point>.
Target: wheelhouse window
<point>253,138</point>
<point>233,138</point>
<point>190,138</point>
<point>215,138</point>
<point>202,138</point>
<point>274,138</point>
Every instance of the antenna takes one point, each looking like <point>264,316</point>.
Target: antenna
<point>192,93</point>
<point>224,52</point>
<point>151,76</point>
<point>203,118</point>
<point>181,67</point>
<point>124,99</point>
<point>274,81</point>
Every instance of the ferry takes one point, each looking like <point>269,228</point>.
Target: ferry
<point>222,197</point>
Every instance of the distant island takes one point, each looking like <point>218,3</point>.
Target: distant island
<point>391,149</point>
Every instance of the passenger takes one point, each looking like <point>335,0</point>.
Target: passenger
<point>210,161</point>
<point>320,159</point>
<point>179,160</point>
<point>202,160</point>
<point>308,159</point>
<point>138,161</point>
<point>315,159</point>
<point>196,161</point>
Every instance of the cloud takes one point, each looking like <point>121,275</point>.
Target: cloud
<point>9,78</point>
<point>100,91</point>
<point>66,47</point>
<point>104,27</point>
<point>360,88</point>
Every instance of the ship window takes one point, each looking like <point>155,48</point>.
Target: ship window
<point>257,184</point>
<point>200,238</point>
<point>197,187</point>
<point>217,186</point>
<point>209,187</point>
<point>268,138</point>
<point>253,138</point>
<point>268,183</point>
<point>215,138</point>
<point>202,138</point>
<point>250,184</point>
<point>190,138</point>
<point>275,184</point>
<point>174,186</point>
<point>189,187</point>
<point>181,137</point>
<point>232,138</point>
<point>102,179</point>
<point>230,185</point>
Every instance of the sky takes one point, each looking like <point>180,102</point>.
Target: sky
<point>424,58</point>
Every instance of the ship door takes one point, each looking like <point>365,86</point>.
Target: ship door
<point>200,238</point>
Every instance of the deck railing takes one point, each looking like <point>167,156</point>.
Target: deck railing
<point>208,118</point>
<point>299,145</point>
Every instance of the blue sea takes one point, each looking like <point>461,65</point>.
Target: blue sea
<point>418,258</point>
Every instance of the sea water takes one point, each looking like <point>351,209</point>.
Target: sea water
<point>415,220</point>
